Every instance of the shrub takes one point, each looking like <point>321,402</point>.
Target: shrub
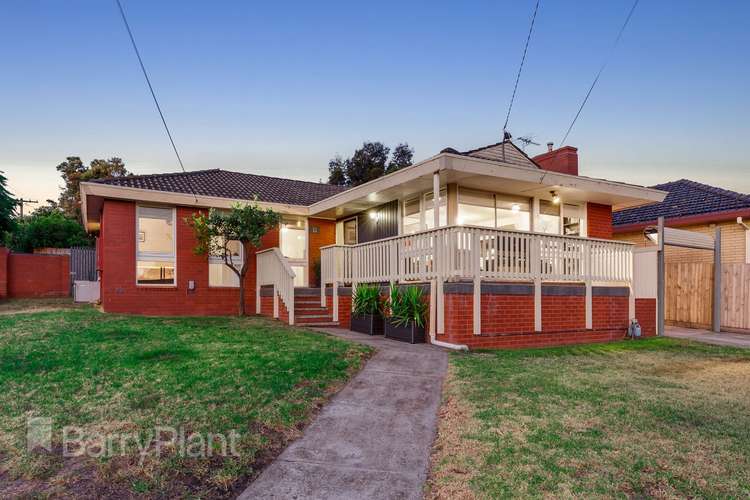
<point>408,305</point>
<point>367,300</point>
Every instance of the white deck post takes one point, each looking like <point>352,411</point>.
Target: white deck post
<point>335,300</point>
<point>436,199</point>
<point>477,302</point>
<point>589,306</point>
<point>257,295</point>
<point>433,308</point>
<point>275,302</point>
<point>536,269</point>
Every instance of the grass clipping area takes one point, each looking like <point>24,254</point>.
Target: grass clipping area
<point>654,418</point>
<point>111,375</point>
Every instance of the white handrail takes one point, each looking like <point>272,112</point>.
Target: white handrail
<point>462,252</point>
<point>272,268</point>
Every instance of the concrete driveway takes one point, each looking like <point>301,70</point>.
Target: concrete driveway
<point>373,439</point>
<point>709,337</point>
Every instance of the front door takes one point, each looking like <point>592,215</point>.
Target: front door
<point>293,245</point>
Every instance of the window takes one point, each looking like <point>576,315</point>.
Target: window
<point>476,208</point>
<point>572,220</point>
<point>155,252</point>
<point>218,273</point>
<point>480,208</point>
<point>549,217</point>
<point>350,232</point>
<point>429,217</point>
<point>293,238</point>
<point>513,212</point>
<point>412,222</point>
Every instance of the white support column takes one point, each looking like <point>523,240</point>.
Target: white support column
<point>589,306</point>
<point>538,305</point>
<point>275,302</point>
<point>433,308</point>
<point>322,292</point>
<point>436,199</point>
<point>440,307</point>
<point>631,301</point>
<point>335,300</point>
<point>257,297</point>
<point>477,302</point>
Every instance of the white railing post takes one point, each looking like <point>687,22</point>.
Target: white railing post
<point>275,302</point>
<point>589,291</point>
<point>477,302</point>
<point>536,272</point>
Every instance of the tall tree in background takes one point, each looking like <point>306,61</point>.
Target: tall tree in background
<point>73,172</point>
<point>7,207</point>
<point>367,163</point>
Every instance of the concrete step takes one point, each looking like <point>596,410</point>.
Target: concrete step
<point>322,324</point>
<point>312,316</point>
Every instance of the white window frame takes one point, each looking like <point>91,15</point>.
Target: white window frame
<point>155,257</point>
<point>219,259</point>
<point>356,229</point>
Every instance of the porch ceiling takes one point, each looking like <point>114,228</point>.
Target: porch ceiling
<point>486,175</point>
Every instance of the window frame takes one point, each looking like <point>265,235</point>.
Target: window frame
<point>356,230</point>
<point>152,257</point>
<point>217,259</point>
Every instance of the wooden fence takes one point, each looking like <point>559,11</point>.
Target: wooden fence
<point>689,298</point>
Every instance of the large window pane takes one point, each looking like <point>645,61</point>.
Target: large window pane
<point>549,217</point>
<point>293,238</point>
<point>299,275</point>
<point>513,212</point>
<point>154,273</point>
<point>350,232</point>
<point>572,220</point>
<point>411,222</point>
<point>429,215</point>
<point>219,273</point>
<point>476,208</point>
<point>155,259</point>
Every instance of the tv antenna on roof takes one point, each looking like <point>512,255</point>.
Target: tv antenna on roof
<point>526,140</point>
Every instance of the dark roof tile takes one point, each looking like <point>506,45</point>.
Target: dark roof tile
<point>233,185</point>
<point>685,198</point>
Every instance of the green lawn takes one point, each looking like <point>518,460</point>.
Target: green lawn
<point>116,375</point>
<point>652,418</point>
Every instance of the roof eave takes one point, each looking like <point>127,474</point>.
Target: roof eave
<point>686,220</point>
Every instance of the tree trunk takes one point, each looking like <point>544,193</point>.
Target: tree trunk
<point>242,297</point>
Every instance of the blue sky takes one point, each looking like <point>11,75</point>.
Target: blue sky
<point>278,88</point>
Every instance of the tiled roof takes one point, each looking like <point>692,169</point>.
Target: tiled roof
<point>233,185</point>
<point>685,198</point>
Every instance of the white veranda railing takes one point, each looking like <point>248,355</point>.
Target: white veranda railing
<point>462,252</point>
<point>273,269</point>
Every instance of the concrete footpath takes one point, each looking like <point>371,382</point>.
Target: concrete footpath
<point>373,439</point>
<point>708,337</point>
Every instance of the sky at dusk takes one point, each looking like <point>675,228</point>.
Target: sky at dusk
<point>278,88</point>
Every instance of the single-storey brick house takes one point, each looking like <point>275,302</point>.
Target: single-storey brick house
<point>518,252</point>
<point>695,207</point>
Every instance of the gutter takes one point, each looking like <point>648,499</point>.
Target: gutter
<point>685,221</point>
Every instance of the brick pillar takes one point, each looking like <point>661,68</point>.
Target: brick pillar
<point>4,272</point>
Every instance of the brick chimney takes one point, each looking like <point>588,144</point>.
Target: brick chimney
<point>563,160</point>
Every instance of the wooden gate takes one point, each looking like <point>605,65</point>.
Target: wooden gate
<point>689,298</point>
<point>82,264</point>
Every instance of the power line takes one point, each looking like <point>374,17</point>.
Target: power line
<point>153,94</point>
<point>601,70</point>
<point>518,76</point>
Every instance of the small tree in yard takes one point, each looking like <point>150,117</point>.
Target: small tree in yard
<point>218,231</point>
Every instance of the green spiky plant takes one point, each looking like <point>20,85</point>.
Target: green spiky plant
<point>367,300</point>
<point>408,305</point>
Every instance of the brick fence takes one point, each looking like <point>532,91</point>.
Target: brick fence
<point>24,275</point>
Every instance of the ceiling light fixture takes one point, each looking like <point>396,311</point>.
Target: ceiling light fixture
<point>555,197</point>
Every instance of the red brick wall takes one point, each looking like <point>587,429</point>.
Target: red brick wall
<point>508,320</point>
<point>345,309</point>
<point>36,275</point>
<point>645,312</point>
<point>563,313</point>
<point>609,313</point>
<point>599,220</point>
<point>326,235</point>
<point>120,293</point>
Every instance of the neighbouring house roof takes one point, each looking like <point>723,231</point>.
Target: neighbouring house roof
<point>504,151</point>
<point>686,198</point>
<point>234,185</point>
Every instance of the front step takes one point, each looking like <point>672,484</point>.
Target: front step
<point>307,308</point>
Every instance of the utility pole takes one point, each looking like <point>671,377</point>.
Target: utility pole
<point>21,201</point>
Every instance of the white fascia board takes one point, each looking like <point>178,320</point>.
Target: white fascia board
<point>170,198</point>
<point>425,167</point>
<point>491,168</point>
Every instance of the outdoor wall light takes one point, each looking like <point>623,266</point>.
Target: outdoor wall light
<point>515,208</point>
<point>374,215</point>
<point>555,197</point>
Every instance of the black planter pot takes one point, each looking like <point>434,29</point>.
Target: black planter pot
<point>371,324</point>
<point>411,333</point>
